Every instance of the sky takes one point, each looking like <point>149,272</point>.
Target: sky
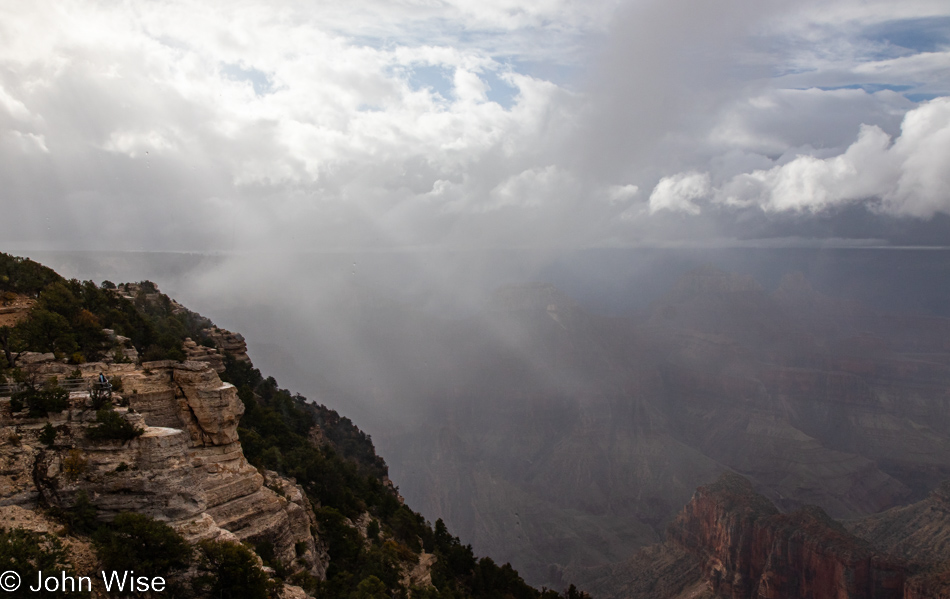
<point>378,125</point>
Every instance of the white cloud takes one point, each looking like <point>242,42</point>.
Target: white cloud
<point>529,189</point>
<point>908,177</point>
<point>14,107</point>
<point>29,143</point>
<point>617,194</point>
<point>678,192</point>
<point>314,125</point>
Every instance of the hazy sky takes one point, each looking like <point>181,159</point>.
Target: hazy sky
<point>168,125</point>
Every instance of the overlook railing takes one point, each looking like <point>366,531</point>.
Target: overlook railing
<point>71,385</point>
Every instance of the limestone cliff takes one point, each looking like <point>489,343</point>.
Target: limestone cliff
<point>187,468</point>
<point>167,446</point>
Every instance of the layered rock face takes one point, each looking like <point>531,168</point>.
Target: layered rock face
<point>748,549</point>
<point>227,342</point>
<point>920,534</point>
<point>731,542</point>
<point>662,571</point>
<point>187,468</point>
<point>916,532</point>
<point>222,342</point>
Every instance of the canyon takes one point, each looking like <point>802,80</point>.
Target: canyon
<point>560,440</point>
<point>573,444</point>
<point>731,542</point>
<point>171,453</point>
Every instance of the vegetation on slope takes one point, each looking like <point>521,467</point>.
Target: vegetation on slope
<point>334,462</point>
<point>344,477</point>
<point>69,317</point>
<point>29,553</point>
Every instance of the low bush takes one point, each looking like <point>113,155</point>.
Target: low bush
<point>48,435</point>
<point>112,426</point>
<point>82,517</point>
<point>28,553</point>
<point>74,463</point>
<point>138,542</point>
<point>40,402</point>
<point>229,569</point>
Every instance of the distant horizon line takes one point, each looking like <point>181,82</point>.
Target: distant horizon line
<point>328,251</point>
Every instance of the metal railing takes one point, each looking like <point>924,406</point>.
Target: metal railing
<point>76,384</point>
<point>71,385</point>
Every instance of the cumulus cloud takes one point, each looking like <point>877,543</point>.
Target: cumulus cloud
<point>678,192</point>
<point>181,126</point>
<point>906,176</point>
<point>311,130</point>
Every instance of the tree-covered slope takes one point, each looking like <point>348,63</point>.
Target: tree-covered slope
<point>373,539</point>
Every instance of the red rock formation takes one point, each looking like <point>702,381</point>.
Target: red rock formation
<point>750,550</point>
<point>930,585</point>
<point>920,534</point>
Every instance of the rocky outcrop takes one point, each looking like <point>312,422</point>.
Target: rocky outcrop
<point>228,342</point>
<point>418,575</point>
<point>201,353</point>
<point>933,583</point>
<point>749,549</point>
<point>918,533</point>
<point>209,408</point>
<point>730,542</point>
<point>217,343</point>
<point>187,468</point>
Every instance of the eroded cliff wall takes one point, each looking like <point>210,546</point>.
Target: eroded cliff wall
<point>749,549</point>
<point>187,468</point>
<point>730,542</point>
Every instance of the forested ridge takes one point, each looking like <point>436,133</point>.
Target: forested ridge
<point>328,456</point>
